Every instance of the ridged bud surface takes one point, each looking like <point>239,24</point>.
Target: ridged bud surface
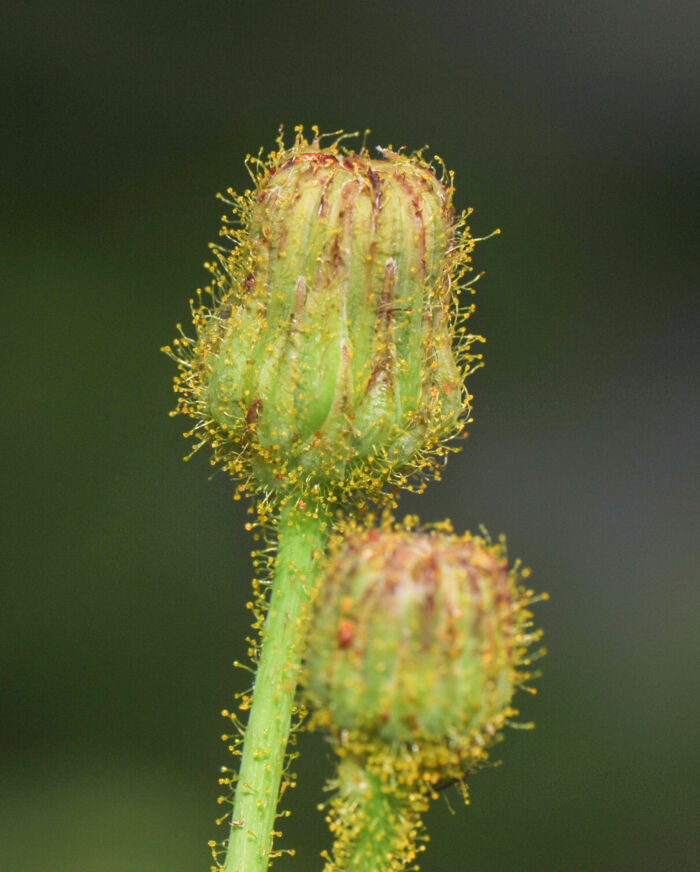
<point>417,639</point>
<point>333,353</point>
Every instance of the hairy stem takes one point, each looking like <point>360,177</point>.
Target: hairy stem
<point>376,823</point>
<point>302,538</point>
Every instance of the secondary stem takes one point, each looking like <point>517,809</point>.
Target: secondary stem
<point>376,824</point>
<point>302,538</point>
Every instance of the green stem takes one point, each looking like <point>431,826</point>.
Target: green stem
<point>302,538</point>
<point>376,822</point>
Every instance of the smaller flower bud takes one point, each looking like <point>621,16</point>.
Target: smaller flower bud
<point>418,639</point>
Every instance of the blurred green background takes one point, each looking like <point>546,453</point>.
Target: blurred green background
<point>573,127</point>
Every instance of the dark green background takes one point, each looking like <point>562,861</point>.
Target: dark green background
<point>573,127</point>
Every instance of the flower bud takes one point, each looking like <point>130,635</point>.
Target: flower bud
<point>417,639</point>
<point>332,354</point>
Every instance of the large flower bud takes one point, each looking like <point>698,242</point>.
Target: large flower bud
<point>418,640</point>
<point>332,355</point>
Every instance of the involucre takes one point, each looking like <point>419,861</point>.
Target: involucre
<point>418,641</point>
<point>333,354</point>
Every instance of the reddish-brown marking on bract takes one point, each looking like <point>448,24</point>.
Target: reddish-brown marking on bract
<point>253,412</point>
<point>322,159</point>
<point>373,178</point>
<point>353,163</point>
<point>323,202</point>
<point>346,633</point>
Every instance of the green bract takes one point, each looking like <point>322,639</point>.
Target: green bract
<point>333,354</point>
<point>418,639</point>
